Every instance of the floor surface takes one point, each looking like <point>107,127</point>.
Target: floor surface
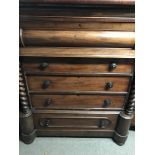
<point>78,146</point>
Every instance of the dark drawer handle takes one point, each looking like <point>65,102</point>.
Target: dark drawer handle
<point>106,103</point>
<point>43,66</point>
<point>48,102</point>
<point>104,123</point>
<point>108,85</point>
<point>45,122</point>
<point>46,84</point>
<point>112,66</point>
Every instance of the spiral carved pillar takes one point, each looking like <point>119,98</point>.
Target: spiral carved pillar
<point>131,102</point>
<point>124,119</point>
<point>27,132</point>
<point>24,105</point>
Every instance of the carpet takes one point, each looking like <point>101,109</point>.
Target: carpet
<point>77,146</point>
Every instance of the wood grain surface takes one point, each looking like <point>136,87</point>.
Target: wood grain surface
<point>77,52</point>
<point>77,19</point>
<point>78,38</point>
<point>69,67</point>
<point>74,122</point>
<point>58,83</point>
<point>77,102</point>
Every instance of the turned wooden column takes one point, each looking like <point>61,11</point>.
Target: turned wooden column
<point>27,132</point>
<point>124,119</point>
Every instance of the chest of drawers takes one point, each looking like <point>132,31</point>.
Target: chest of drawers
<point>76,68</point>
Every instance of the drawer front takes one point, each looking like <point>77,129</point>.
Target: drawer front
<point>77,101</point>
<point>48,121</point>
<point>79,38</point>
<point>58,83</point>
<point>73,67</point>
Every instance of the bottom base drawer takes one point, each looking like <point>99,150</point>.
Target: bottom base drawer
<point>77,120</point>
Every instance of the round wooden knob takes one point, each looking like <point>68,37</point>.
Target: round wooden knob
<point>44,122</point>
<point>104,123</point>
<point>112,66</point>
<point>47,123</point>
<point>48,102</point>
<point>109,85</point>
<point>46,84</point>
<point>106,103</point>
<point>43,65</point>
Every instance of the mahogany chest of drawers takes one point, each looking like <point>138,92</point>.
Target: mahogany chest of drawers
<point>76,68</point>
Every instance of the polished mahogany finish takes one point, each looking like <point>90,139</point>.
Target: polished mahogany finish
<point>78,38</point>
<point>76,120</point>
<point>58,83</point>
<point>76,68</point>
<point>78,52</point>
<point>46,66</point>
<point>99,102</point>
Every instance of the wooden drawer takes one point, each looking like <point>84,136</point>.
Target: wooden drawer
<point>77,101</point>
<point>59,83</point>
<point>78,38</point>
<point>74,121</point>
<point>75,66</point>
